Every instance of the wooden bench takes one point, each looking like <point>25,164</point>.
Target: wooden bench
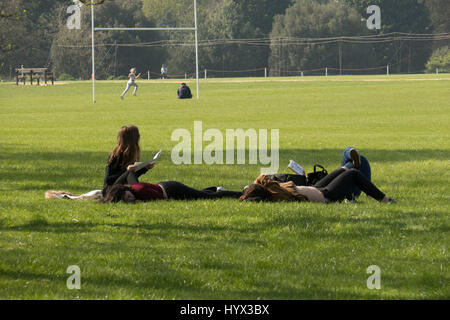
<point>21,74</point>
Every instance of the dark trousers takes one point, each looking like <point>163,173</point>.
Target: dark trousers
<point>346,161</point>
<point>178,191</point>
<point>340,184</point>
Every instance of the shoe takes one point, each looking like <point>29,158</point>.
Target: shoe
<point>356,159</point>
<point>391,200</point>
<point>121,97</point>
<point>220,189</point>
<point>134,94</point>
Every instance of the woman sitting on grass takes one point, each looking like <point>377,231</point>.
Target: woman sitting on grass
<point>336,186</point>
<point>121,181</point>
<point>121,160</point>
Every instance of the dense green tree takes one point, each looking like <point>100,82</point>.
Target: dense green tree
<point>406,16</point>
<point>71,51</point>
<point>312,19</point>
<point>228,22</point>
<point>10,15</point>
<point>31,30</point>
<point>225,20</point>
<point>410,16</point>
<point>260,13</point>
<point>440,60</point>
<point>439,14</point>
<point>26,33</point>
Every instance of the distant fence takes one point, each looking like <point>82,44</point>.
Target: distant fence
<point>267,72</point>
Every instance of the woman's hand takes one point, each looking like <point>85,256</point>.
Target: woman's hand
<point>131,167</point>
<point>150,165</point>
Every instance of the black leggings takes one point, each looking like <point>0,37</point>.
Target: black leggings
<point>340,183</point>
<point>178,191</point>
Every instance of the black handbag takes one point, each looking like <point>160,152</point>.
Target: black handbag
<point>297,179</point>
<point>315,176</point>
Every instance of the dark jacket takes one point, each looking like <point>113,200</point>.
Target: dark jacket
<point>115,173</point>
<point>184,92</point>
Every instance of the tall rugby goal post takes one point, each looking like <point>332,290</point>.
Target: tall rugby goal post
<point>93,3</point>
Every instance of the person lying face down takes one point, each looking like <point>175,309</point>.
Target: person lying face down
<point>166,190</point>
<point>336,186</point>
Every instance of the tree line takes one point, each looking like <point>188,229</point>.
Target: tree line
<point>35,33</point>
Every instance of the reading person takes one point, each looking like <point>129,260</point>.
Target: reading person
<point>131,82</point>
<point>121,160</point>
<point>184,92</point>
<point>333,188</point>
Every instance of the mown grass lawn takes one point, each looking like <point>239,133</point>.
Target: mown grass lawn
<point>54,138</point>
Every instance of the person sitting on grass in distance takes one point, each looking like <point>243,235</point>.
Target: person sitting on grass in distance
<point>121,159</point>
<point>166,190</point>
<point>334,187</point>
<point>184,92</point>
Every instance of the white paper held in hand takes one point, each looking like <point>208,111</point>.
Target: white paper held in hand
<point>294,166</point>
<point>140,165</point>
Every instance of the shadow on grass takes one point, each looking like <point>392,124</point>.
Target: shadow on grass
<point>357,227</point>
<point>319,227</point>
<point>173,283</point>
<point>188,269</point>
<point>168,282</point>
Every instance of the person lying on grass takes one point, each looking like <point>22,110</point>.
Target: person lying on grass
<point>351,158</point>
<point>166,190</point>
<point>336,186</point>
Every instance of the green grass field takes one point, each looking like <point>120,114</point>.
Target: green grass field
<point>55,138</point>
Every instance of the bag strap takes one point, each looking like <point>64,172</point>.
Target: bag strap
<point>318,165</point>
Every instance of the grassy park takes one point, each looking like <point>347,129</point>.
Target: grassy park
<point>54,137</point>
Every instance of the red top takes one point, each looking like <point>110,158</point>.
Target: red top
<point>147,191</point>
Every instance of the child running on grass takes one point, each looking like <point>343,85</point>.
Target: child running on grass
<point>132,76</point>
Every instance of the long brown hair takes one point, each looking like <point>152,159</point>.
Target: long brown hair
<point>127,150</point>
<point>267,189</point>
<point>116,193</point>
<point>255,192</point>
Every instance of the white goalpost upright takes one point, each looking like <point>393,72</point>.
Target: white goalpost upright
<point>143,29</point>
